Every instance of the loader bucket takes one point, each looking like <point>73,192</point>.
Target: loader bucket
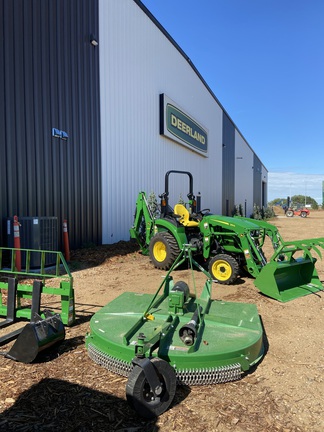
<point>37,336</point>
<point>288,280</point>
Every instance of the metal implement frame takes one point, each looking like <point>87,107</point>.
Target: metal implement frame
<point>24,289</point>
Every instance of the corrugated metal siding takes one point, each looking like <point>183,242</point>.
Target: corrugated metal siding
<point>264,191</point>
<point>49,77</point>
<point>244,157</point>
<point>257,181</point>
<point>137,64</point>
<point>228,160</point>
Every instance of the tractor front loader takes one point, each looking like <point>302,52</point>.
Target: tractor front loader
<point>229,246</point>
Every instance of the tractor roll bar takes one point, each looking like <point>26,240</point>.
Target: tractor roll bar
<point>166,187</point>
<point>165,196</point>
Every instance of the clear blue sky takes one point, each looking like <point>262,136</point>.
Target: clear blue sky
<point>264,61</point>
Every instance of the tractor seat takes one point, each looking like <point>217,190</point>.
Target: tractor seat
<point>180,210</point>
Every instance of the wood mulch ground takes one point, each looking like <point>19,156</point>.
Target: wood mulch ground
<point>64,390</point>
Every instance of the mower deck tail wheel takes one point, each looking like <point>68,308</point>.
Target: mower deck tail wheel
<point>139,393</point>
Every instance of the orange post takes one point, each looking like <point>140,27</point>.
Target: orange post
<point>66,241</point>
<point>16,226</point>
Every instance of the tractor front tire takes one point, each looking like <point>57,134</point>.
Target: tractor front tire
<point>139,393</point>
<point>303,214</point>
<point>224,269</point>
<point>163,250</point>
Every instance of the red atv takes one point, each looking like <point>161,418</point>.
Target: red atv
<point>302,212</point>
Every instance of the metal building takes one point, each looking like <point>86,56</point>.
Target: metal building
<point>97,102</point>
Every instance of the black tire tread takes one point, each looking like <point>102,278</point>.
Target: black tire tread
<point>134,385</point>
<point>174,250</point>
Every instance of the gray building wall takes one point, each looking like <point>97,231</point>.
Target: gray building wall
<point>49,78</point>
<point>257,182</point>
<point>228,166</point>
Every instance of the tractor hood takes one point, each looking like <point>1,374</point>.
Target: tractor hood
<point>232,223</point>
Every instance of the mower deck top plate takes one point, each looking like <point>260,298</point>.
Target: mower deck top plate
<point>231,333</point>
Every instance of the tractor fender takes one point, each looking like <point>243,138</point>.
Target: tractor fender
<point>178,232</point>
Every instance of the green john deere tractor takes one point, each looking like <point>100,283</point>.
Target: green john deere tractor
<point>228,245</point>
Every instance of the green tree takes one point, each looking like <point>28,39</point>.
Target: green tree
<point>301,200</point>
<point>262,213</point>
<point>295,201</point>
<point>153,205</point>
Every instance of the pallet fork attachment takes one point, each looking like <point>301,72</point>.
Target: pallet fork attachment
<point>45,327</point>
<point>39,334</point>
<point>11,308</point>
<point>11,303</point>
<point>36,336</point>
<point>59,275</point>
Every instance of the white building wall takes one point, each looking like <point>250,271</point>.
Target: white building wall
<point>243,174</point>
<point>137,63</point>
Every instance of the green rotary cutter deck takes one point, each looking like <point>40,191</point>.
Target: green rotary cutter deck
<point>173,337</point>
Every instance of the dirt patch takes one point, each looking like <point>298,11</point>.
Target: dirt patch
<point>65,391</point>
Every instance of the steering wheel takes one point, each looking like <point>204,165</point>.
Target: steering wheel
<point>204,211</point>
<point>199,215</point>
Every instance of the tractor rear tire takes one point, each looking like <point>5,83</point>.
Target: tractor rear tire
<point>224,269</point>
<point>139,393</point>
<point>289,213</point>
<point>163,250</point>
